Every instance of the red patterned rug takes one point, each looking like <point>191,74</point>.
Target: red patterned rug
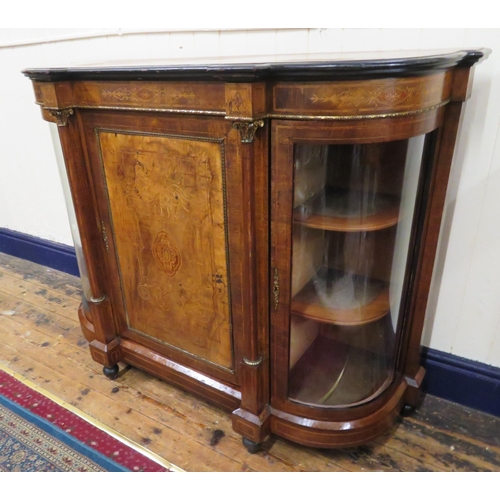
<point>37,434</point>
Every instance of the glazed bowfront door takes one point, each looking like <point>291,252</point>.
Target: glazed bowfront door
<point>345,206</point>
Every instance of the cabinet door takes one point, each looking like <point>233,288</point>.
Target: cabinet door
<point>346,199</point>
<point>164,187</point>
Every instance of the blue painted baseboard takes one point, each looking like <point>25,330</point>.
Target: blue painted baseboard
<point>462,381</point>
<point>450,377</point>
<point>44,252</point>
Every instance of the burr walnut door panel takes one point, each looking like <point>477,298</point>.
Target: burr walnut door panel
<point>166,197</point>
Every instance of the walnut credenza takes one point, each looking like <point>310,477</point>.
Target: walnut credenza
<point>263,235</point>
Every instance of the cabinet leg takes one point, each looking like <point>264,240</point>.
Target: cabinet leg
<point>413,395</point>
<point>111,371</point>
<point>251,446</point>
<point>407,410</point>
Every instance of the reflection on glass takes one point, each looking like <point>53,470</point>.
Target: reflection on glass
<point>353,212</point>
<point>82,267</point>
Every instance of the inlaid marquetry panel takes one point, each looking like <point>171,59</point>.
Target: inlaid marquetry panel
<point>166,197</point>
<point>53,95</point>
<point>151,95</point>
<point>245,100</point>
<point>390,95</point>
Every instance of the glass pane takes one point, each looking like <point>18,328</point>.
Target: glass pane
<point>353,212</point>
<point>82,266</point>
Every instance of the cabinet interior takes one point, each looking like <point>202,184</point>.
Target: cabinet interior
<point>352,213</point>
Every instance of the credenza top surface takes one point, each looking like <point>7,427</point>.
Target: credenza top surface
<point>296,67</point>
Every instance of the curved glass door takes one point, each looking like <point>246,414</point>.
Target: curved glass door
<point>352,218</point>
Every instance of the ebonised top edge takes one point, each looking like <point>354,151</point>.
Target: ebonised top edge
<point>335,67</point>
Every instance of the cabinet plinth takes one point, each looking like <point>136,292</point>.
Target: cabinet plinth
<point>263,235</point>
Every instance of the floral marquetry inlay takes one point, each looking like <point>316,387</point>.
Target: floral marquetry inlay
<point>166,254</point>
<point>363,97</point>
<point>197,97</point>
<point>236,102</point>
<point>166,195</point>
<point>144,95</point>
<point>375,97</point>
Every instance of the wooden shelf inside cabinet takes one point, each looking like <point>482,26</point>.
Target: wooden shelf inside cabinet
<point>339,210</point>
<point>332,373</point>
<point>337,298</point>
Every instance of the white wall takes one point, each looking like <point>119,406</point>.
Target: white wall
<point>464,313</point>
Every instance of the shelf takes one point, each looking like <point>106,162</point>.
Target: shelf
<point>335,374</point>
<point>338,210</point>
<point>342,299</point>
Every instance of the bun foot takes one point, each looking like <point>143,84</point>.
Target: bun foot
<point>407,410</point>
<point>251,446</point>
<point>111,371</point>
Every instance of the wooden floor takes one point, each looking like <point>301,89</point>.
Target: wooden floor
<point>40,339</point>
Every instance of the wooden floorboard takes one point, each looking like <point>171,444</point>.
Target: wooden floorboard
<point>40,339</point>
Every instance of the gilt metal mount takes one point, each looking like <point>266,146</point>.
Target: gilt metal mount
<point>276,288</point>
<point>247,130</point>
<point>61,115</point>
<point>97,300</point>
<point>253,363</point>
<point>104,236</point>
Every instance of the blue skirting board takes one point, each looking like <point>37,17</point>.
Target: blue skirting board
<point>462,381</point>
<point>43,252</point>
<point>450,377</point>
